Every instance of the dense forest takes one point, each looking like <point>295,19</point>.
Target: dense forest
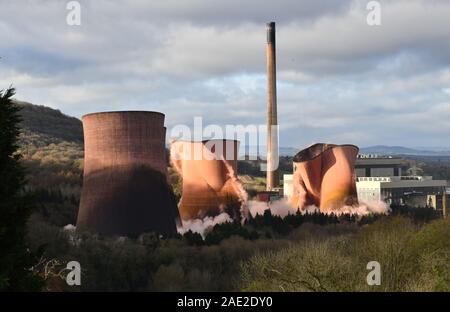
<point>313,254</point>
<point>301,252</point>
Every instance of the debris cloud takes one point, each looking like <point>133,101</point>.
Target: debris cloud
<point>203,226</point>
<point>282,208</point>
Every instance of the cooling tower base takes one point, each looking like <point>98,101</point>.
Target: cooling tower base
<point>127,200</point>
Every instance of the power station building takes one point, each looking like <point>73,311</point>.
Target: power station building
<point>376,166</point>
<point>125,189</point>
<point>383,178</point>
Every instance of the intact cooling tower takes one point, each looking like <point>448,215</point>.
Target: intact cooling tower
<point>125,191</point>
<point>210,184</point>
<point>324,177</point>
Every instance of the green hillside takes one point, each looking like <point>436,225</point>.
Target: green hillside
<point>49,125</point>
<point>51,145</point>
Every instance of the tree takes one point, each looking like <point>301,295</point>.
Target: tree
<point>15,209</point>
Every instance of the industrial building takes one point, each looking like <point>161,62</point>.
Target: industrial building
<point>383,178</point>
<point>380,166</point>
<point>125,189</point>
<point>415,191</point>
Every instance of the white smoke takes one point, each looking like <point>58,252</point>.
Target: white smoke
<point>257,207</point>
<point>70,228</point>
<point>282,208</point>
<point>238,189</point>
<point>72,235</point>
<point>203,226</point>
<point>364,209</point>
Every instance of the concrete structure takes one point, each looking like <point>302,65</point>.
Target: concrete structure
<point>324,177</point>
<point>209,173</point>
<point>287,185</point>
<point>384,178</point>
<point>272,179</point>
<point>414,191</point>
<point>445,200</point>
<point>380,166</point>
<point>268,196</point>
<point>125,190</point>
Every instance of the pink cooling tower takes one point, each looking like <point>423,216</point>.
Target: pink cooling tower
<point>324,177</point>
<point>208,170</point>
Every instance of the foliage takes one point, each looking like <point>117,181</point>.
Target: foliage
<point>436,166</point>
<point>312,257</point>
<point>418,214</point>
<point>410,259</point>
<point>175,181</point>
<point>15,259</point>
<point>50,123</point>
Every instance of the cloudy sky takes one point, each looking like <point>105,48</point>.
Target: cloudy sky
<point>339,79</point>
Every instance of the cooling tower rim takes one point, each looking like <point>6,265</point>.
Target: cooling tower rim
<point>123,112</point>
<point>315,150</point>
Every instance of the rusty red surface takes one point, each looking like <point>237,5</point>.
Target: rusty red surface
<point>208,170</point>
<point>324,177</point>
<point>125,190</point>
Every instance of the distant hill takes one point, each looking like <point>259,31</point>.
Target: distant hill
<point>377,149</point>
<point>253,150</point>
<point>43,125</point>
<point>51,145</point>
<point>400,150</point>
<point>49,124</point>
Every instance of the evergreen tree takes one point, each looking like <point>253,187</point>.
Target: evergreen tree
<point>15,258</point>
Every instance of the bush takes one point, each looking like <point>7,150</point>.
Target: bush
<point>411,259</point>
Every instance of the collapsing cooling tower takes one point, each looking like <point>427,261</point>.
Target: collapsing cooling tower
<point>125,190</point>
<point>210,184</point>
<point>324,177</point>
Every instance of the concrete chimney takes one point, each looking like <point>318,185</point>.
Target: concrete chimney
<point>272,123</point>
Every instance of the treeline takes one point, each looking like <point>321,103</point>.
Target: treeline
<point>55,206</point>
<point>311,257</point>
<point>190,263</point>
<point>438,170</point>
<point>52,165</point>
<point>411,258</point>
<point>268,226</point>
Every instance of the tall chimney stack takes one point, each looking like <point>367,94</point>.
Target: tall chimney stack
<point>272,123</point>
